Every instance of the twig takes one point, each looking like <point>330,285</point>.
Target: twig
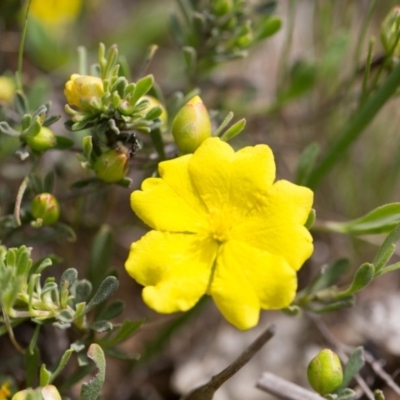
<point>284,389</point>
<point>18,200</point>
<point>206,392</point>
<point>376,366</point>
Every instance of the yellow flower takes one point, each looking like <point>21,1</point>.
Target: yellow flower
<point>7,89</point>
<point>221,227</point>
<point>81,90</point>
<point>5,392</point>
<point>54,13</point>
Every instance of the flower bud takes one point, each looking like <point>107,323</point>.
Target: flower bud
<point>390,30</point>
<point>111,166</point>
<point>221,7</point>
<point>50,392</point>
<point>45,206</point>
<point>83,90</point>
<point>44,140</point>
<point>191,126</point>
<point>7,89</point>
<point>325,372</point>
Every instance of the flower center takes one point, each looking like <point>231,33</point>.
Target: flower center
<point>220,224</point>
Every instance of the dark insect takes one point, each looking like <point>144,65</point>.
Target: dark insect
<point>126,143</point>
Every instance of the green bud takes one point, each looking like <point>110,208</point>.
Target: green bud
<point>390,30</point>
<point>325,372</point>
<point>153,102</point>
<point>221,7</point>
<point>45,206</point>
<point>43,141</point>
<point>191,126</point>
<point>111,166</point>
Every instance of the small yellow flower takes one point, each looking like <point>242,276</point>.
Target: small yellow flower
<point>54,13</point>
<point>81,90</point>
<point>221,227</point>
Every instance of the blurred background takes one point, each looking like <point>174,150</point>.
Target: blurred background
<point>297,87</point>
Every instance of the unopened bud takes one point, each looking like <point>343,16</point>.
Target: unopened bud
<point>325,372</point>
<point>221,7</point>
<point>111,166</point>
<point>83,91</point>
<point>191,126</point>
<point>45,206</point>
<point>50,392</point>
<point>390,31</point>
<point>43,141</point>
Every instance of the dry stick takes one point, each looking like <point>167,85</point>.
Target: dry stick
<point>376,366</point>
<point>284,389</point>
<point>331,340</point>
<point>206,392</point>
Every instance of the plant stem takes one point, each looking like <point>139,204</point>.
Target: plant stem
<point>21,48</point>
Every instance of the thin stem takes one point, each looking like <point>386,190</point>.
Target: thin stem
<point>11,333</point>
<point>21,48</point>
<point>283,59</point>
<point>363,31</point>
<point>364,90</point>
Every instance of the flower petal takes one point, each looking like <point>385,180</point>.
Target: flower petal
<point>247,279</point>
<point>278,226</point>
<point>210,169</point>
<point>175,268</point>
<point>170,203</point>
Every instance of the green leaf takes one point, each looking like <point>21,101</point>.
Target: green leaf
<point>363,277</point>
<point>45,375</point>
<point>306,163</point>
<point>100,256</point>
<point>82,291</point>
<point>310,219</point>
<point>385,248</point>
<point>21,103</point>
<point>328,275</point>
<point>87,147</point>
<point>106,289</point>
<point>127,329</point>
<point>380,220</point>
<point>111,311</point>
<point>32,359</point>
<point>346,394</point>
<point>63,362</point>
<point>142,87</point>
<point>68,278</point>
<point>234,130</point>
<point>90,390</point>
<point>333,306</point>
<point>353,366</point>
<point>7,130</point>
<point>224,124</point>
<point>190,57</point>
<point>121,355</point>
<point>101,326</point>
<point>268,27</point>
